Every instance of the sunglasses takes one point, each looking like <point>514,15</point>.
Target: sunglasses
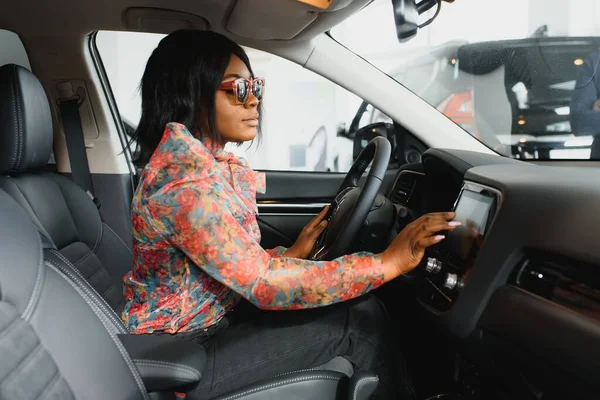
<point>242,87</point>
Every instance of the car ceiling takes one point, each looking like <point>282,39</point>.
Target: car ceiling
<point>243,20</point>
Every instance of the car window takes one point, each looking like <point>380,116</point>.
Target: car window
<point>519,75</point>
<point>302,111</point>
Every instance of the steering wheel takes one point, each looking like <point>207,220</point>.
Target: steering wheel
<point>352,203</point>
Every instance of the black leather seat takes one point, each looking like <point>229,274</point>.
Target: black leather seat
<point>78,242</point>
<point>55,342</point>
<point>61,210</point>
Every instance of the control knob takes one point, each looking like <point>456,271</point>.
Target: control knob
<point>433,265</point>
<point>452,282</point>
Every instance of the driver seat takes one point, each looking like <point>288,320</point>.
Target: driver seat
<point>66,217</point>
<point>56,342</point>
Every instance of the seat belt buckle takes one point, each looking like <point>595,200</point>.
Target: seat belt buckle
<point>179,395</point>
<point>94,199</point>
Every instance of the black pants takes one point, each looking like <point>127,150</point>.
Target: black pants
<point>258,345</point>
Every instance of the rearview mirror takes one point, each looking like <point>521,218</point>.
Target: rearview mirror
<point>406,16</point>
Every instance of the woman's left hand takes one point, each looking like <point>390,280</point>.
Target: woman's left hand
<point>308,237</point>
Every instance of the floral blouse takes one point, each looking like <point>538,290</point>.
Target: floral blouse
<point>196,245</point>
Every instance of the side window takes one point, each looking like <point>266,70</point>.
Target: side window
<point>302,111</point>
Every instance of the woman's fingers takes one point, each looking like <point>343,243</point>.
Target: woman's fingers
<point>429,234</point>
<point>432,223</point>
<point>430,241</point>
<point>442,216</point>
<point>319,229</point>
<point>437,226</point>
<point>317,220</point>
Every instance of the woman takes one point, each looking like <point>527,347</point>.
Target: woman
<point>196,239</point>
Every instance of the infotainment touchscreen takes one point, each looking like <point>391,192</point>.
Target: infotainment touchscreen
<point>474,211</point>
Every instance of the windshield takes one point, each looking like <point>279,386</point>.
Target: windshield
<point>519,75</point>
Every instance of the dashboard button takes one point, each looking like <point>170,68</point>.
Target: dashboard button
<point>433,265</point>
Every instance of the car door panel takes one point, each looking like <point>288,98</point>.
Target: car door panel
<point>293,199</point>
<point>300,186</point>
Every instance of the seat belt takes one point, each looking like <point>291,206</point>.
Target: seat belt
<point>80,169</point>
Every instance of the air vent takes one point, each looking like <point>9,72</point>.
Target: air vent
<point>404,187</point>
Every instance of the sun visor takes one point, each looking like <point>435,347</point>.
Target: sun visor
<point>156,20</point>
<point>278,19</point>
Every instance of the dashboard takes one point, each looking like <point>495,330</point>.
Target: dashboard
<point>519,281</point>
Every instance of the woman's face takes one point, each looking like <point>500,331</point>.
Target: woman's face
<point>235,122</point>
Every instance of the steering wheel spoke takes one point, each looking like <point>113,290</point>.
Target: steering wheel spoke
<point>318,250</point>
<point>318,254</point>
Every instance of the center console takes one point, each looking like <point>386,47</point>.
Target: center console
<point>446,266</point>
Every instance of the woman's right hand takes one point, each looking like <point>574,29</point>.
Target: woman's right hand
<point>408,248</point>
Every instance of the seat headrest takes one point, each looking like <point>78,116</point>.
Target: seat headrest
<point>26,130</point>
